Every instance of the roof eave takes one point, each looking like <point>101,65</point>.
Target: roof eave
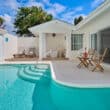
<point>95,13</point>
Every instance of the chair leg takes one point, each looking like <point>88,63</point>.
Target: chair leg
<point>79,65</point>
<point>98,66</point>
<point>90,63</point>
<point>101,68</point>
<point>94,68</point>
<point>82,62</point>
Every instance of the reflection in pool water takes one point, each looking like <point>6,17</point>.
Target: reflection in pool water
<point>80,98</point>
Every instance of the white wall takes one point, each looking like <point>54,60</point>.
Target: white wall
<point>28,42</point>
<point>55,43</point>
<point>14,44</point>
<point>10,46</point>
<point>1,47</point>
<point>100,22</point>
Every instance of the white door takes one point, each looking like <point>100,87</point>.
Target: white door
<point>1,48</point>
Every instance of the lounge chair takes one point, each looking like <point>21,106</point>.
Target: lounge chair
<point>31,53</point>
<point>20,54</point>
<point>99,61</point>
<point>52,53</point>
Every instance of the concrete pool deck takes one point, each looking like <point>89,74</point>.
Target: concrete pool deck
<point>67,73</point>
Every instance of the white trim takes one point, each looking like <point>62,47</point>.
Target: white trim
<point>94,14</point>
<point>46,23</point>
<point>53,26</point>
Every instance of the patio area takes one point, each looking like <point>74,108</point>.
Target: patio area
<point>67,73</point>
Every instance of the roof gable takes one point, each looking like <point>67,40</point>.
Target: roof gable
<point>54,26</point>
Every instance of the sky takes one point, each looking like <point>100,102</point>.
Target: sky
<point>65,10</point>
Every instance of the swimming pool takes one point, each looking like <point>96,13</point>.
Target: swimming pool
<point>30,87</point>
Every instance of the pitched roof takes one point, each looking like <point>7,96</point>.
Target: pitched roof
<point>54,26</point>
<point>94,14</point>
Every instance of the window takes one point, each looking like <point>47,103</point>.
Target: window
<point>76,41</point>
<point>94,41</point>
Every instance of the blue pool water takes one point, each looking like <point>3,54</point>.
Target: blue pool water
<point>28,87</point>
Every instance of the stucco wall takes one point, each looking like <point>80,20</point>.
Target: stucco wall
<point>55,43</point>
<point>97,24</point>
<point>28,42</point>
<point>1,48</point>
<point>9,45</point>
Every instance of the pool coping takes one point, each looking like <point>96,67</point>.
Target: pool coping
<point>53,74</point>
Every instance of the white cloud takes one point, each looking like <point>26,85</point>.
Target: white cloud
<point>8,22</point>
<point>7,18</point>
<point>73,11</point>
<point>59,8</point>
<point>71,14</point>
<point>52,11</point>
<point>47,2</point>
<point>33,3</point>
<point>95,3</point>
<point>55,9</point>
<point>12,4</point>
<point>70,19</point>
<point>80,8</point>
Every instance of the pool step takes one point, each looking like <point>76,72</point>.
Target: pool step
<point>31,73</point>
<point>42,66</point>
<point>27,77</point>
<point>35,69</point>
<point>28,71</point>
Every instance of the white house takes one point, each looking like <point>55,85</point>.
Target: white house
<point>92,32</point>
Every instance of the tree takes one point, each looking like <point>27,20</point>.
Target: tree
<point>30,16</point>
<point>1,21</point>
<point>78,20</point>
<point>75,21</point>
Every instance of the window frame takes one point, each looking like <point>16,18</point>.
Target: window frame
<point>93,40</point>
<point>76,42</point>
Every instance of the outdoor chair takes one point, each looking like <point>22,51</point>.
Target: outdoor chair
<point>99,61</point>
<point>91,53</point>
<point>52,53</point>
<point>86,61</point>
<point>20,54</point>
<point>31,53</point>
